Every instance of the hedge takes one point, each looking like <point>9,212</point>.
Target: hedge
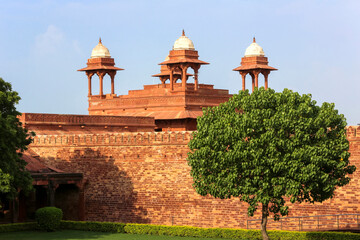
<point>133,228</point>
<point>16,227</point>
<point>94,226</point>
<point>235,233</point>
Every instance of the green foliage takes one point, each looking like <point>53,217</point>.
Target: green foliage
<point>13,141</point>
<point>266,146</point>
<point>48,218</point>
<point>15,227</point>
<point>184,231</point>
<point>5,180</point>
<point>94,226</point>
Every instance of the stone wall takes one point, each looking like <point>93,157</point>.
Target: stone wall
<point>144,178</point>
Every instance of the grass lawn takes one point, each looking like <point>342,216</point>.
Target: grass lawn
<point>77,235</point>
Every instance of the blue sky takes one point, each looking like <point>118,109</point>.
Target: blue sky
<point>314,44</point>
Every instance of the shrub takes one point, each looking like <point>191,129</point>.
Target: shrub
<point>48,218</point>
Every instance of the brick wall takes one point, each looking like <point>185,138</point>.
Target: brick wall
<point>144,178</point>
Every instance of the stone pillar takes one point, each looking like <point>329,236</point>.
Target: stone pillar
<point>243,76</point>
<point>51,189</point>
<point>89,75</point>
<point>196,87</point>
<point>266,74</point>
<point>171,79</point>
<point>256,79</point>
<point>81,203</point>
<point>101,75</point>
<point>253,81</point>
<point>183,77</point>
<point>196,76</point>
<point>112,84</point>
<point>163,80</point>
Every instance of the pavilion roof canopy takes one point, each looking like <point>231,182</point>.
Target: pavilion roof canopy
<point>105,67</point>
<point>183,60</point>
<point>254,66</point>
<point>168,73</point>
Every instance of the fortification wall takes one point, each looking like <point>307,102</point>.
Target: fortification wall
<point>62,124</point>
<point>144,178</point>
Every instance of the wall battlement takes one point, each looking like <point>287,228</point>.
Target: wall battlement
<point>144,138</point>
<point>138,138</point>
<point>45,118</point>
<point>53,124</point>
<point>353,132</point>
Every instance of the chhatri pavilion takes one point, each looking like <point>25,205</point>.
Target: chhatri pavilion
<point>174,103</point>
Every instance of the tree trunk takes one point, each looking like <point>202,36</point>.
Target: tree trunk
<point>264,216</point>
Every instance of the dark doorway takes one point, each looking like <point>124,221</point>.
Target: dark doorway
<point>67,198</point>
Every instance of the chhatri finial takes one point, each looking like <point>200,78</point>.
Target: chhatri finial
<point>183,33</point>
<point>254,41</point>
<point>100,40</point>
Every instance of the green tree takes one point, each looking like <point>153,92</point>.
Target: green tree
<point>14,140</point>
<point>267,147</point>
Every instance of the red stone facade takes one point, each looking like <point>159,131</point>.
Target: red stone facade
<point>42,123</point>
<point>131,149</point>
<point>173,110</point>
<point>144,178</point>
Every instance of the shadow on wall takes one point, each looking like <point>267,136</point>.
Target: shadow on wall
<point>109,192</point>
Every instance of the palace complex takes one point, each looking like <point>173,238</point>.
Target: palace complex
<point>126,160</point>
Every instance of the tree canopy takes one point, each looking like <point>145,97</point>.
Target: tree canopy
<point>14,140</point>
<point>266,147</point>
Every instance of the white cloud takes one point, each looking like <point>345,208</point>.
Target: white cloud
<point>50,41</point>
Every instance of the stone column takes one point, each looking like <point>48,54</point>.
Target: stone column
<point>89,75</point>
<point>163,80</point>
<point>112,83</point>
<point>101,76</point>
<point>256,73</point>
<point>196,87</point>
<point>196,76</point>
<point>243,76</point>
<point>266,74</point>
<point>51,193</point>
<point>183,77</point>
<point>171,79</point>
<point>253,81</point>
<point>112,77</point>
<point>81,203</point>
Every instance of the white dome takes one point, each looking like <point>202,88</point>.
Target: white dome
<point>100,51</point>
<point>183,43</point>
<point>254,50</point>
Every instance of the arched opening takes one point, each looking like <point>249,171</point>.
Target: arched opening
<point>190,79</point>
<point>261,80</point>
<point>106,84</point>
<point>177,77</point>
<point>95,85</point>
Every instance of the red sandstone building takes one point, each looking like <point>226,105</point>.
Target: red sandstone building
<point>126,160</point>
